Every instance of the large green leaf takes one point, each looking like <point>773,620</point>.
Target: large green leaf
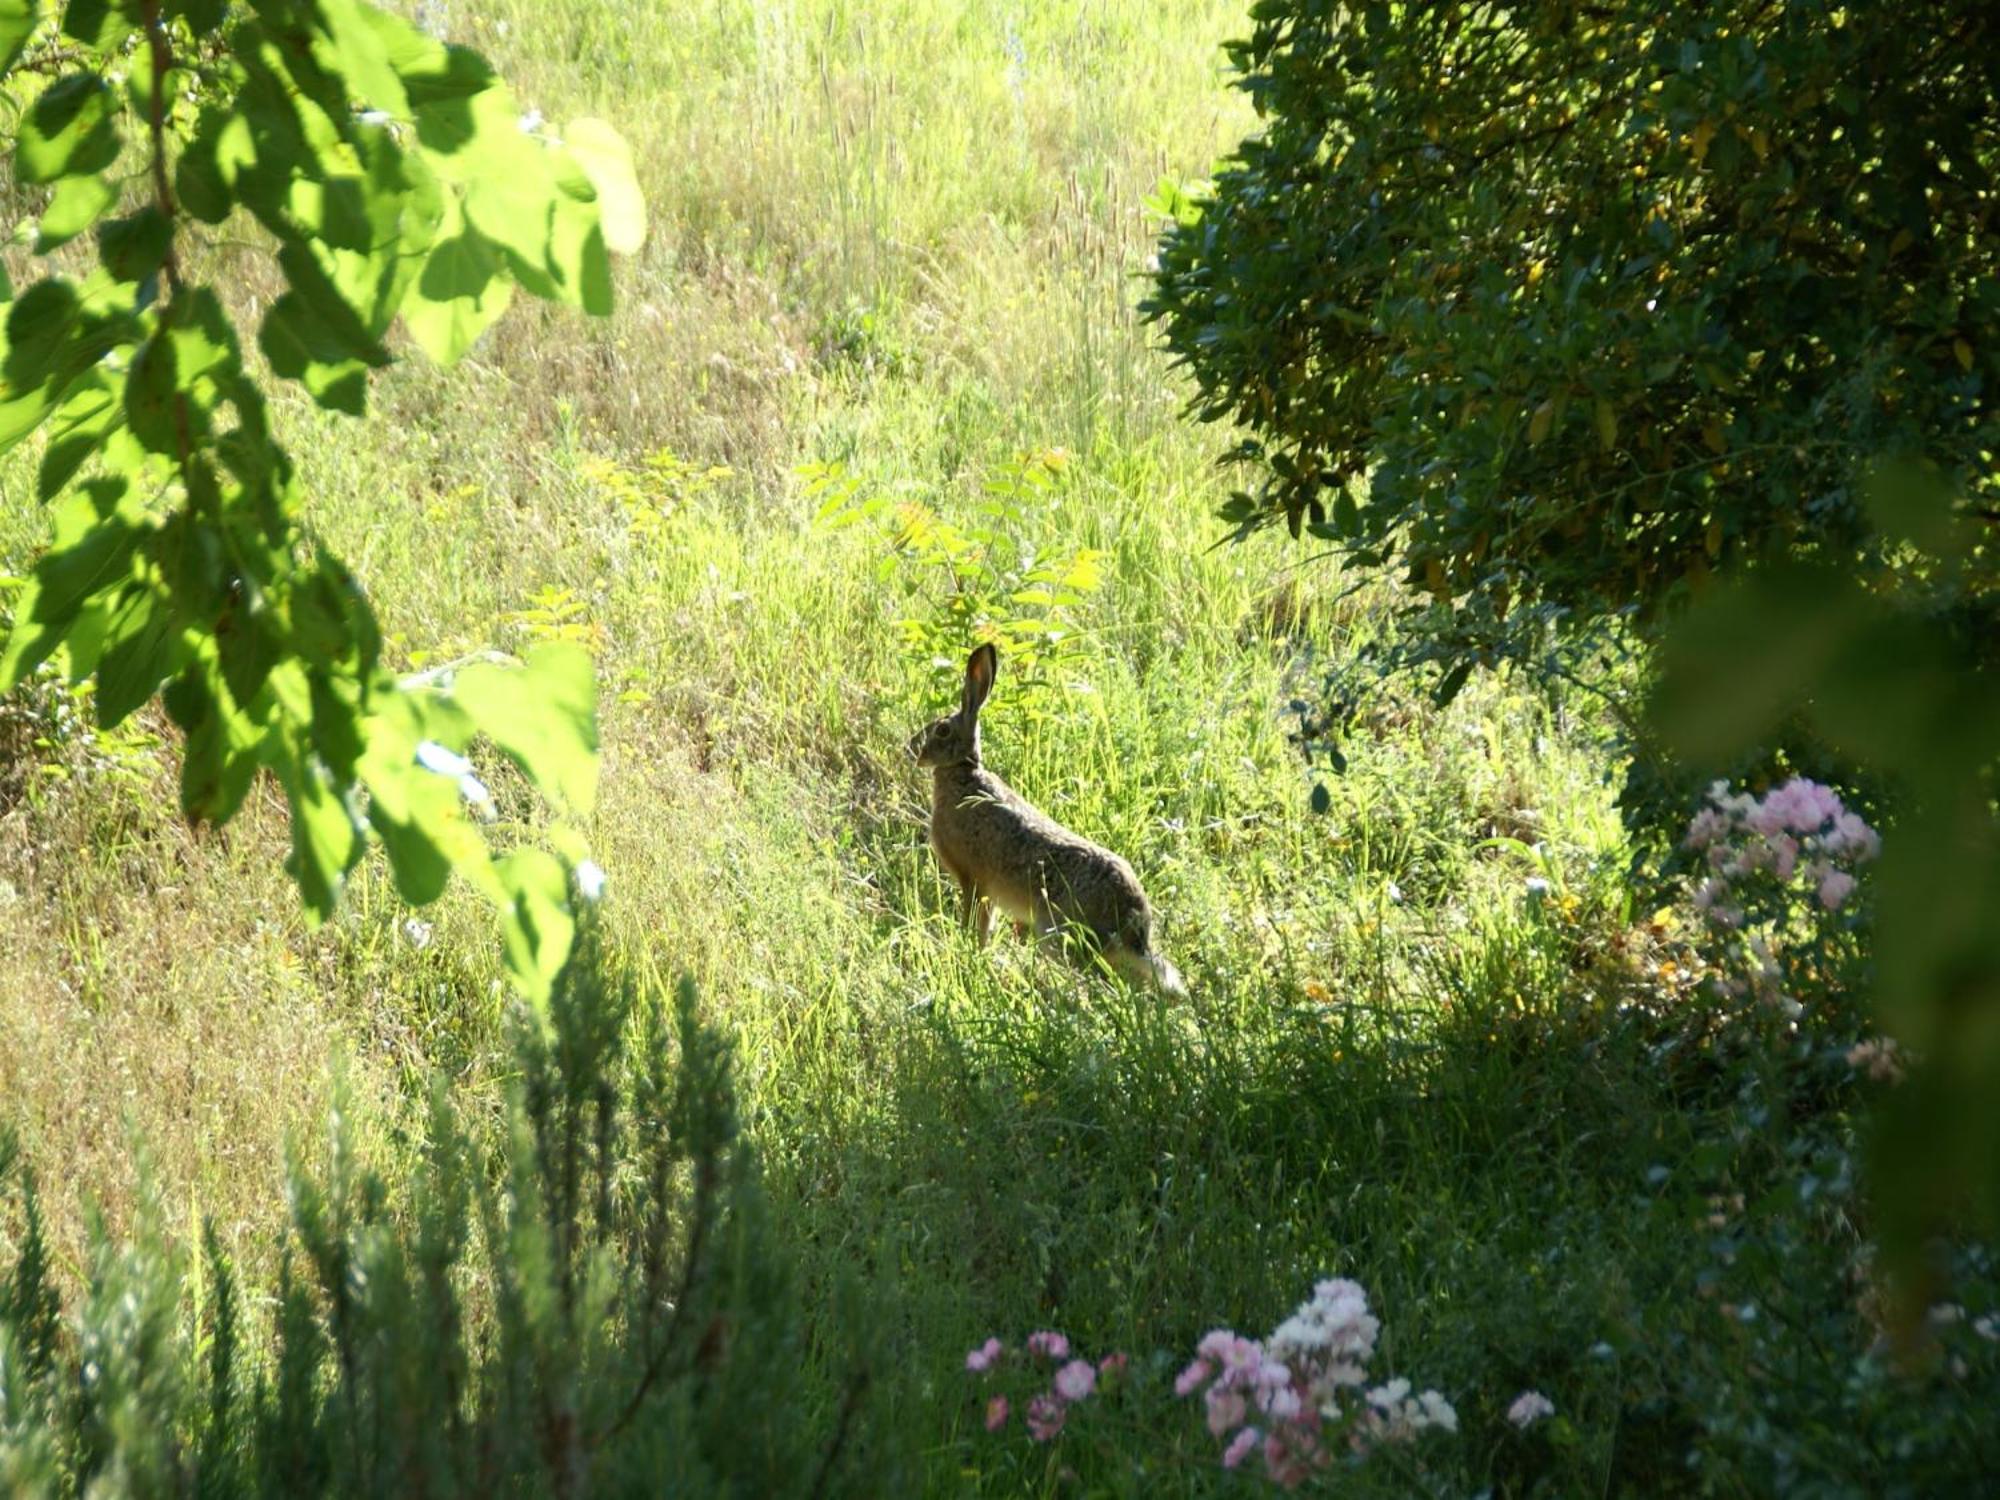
<point>420,815</point>
<point>543,716</point>
<point>97,530</point>
<point>101,25</point>
<point>18,19</point>
<point>78,203</point>
<point>78,429</point>
<point>326,840</point>
<point>156,408</point>
<point>463,289</point>
<point>537,921</point>
<point>357,45</point>
<point>607,160</point>
<point>69,130</point>
<point>142,649</point>
<point>300,347</point>
<point>220,752</point>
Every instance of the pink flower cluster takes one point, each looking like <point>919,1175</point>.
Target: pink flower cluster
<point>1799,821</point>
<point>1073,1380</point>
<point>1776,863</point>
<point>1283,1398</point>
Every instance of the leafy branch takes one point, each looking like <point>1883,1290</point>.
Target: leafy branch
<point>391,180</point>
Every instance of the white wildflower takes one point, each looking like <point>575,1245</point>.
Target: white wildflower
<point>1529,1408</point>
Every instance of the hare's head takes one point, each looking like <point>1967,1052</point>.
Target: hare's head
<point>954,739</point>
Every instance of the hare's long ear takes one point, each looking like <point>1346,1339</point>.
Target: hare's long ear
<point>979,670</point>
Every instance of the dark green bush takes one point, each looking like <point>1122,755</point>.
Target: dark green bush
<point>1555,309</point>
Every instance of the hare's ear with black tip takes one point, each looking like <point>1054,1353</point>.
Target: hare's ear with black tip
<point>979,670</point>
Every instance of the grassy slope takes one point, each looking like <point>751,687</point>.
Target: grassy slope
<point>903,237</point>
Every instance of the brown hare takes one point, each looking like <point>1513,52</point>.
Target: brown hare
<point>1005,852</point>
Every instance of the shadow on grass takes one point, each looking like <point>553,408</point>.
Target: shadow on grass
<point>1649,1217</point>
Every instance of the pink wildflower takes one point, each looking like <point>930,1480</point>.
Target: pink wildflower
<point>1193,1378</point>
<point>1215,1342</point>
<point>1049,1344</point>
<point>1281,1404</point>
<point>1113,1364</point>
<point>1879,1057</point>
<point>1852,835</point>
<point>1285,1463</point>
<point>996,1414</point>
<point>1239,1447</point>
<point>1225,1409</point>
<point>1785,851</point>
<point>1707,826</point>
<point>1835,887</point>
<point>1046,1415</point>
<point>1076,1380</point>
<point>982,1359</point>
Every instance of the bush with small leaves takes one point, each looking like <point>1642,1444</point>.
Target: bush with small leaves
<point>599,1310</point>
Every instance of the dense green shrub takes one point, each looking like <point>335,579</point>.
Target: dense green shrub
<point>597,1308</point>
<point>1559,311</point>
<point>1555,309</point>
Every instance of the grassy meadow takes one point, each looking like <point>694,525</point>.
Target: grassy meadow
<point>879,351</point>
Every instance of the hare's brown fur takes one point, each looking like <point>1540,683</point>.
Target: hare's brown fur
<point>1005,852</point>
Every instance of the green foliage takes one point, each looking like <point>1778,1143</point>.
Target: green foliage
<point>1553,310</point>
<point>392,178</point>
<point>1558,312</point>
<point>1899,682</point>
<point>601,1312</point>
<point>985,579</point>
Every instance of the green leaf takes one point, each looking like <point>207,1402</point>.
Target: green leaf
<point>153,398</point>
<point>68,131</point>
<point>462,290</point>
<point>607,160</point>
<point>543,716</point>
<point>419,814</point>
<point>200,185</point>
<point>358,48</point>
<point>300,348</point>
<point>133,248</point>
<point>219,755</point>
<point>540,210</point>
<point>326,842</point>
<point>77,430</point>
<point>39,323</point>
<point>142,649</point>
<point>97,531</point>
<point>18,19</point>
<point>101,25</point>
<point>537,921</point>
<point>1451,683</point>
<point>78,203</point>
<point>452,92</point>
<point>248,648</point>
